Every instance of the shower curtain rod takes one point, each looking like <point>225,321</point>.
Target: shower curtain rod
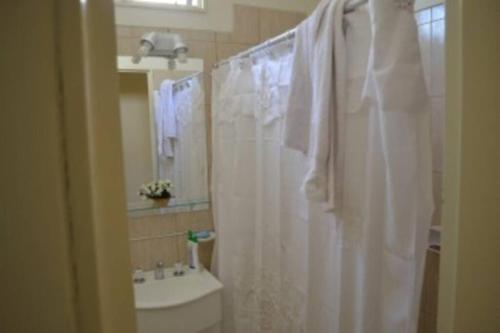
<point>290,34</point>
<point>267,44</point>
<point>187,78</point>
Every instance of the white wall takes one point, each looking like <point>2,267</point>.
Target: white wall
<point>218,15</point>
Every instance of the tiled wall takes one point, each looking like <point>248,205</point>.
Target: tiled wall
<point>147,250</point>
<point>431,24</point>
<point>252,26</point>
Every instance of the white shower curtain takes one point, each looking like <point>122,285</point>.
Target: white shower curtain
<point>286,264</point>
<point>261,214</point>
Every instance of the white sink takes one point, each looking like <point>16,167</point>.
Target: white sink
<point>186,304</point>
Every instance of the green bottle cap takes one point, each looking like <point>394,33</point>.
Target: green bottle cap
<point>192,236</point>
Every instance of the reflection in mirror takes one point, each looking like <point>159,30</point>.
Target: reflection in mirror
<point>163,133</point>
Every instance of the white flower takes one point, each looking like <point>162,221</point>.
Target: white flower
<point>156,189</point>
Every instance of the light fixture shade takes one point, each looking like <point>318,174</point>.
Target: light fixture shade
<point>179,45</point>
<point>150,38</point>
<point>162,44</point>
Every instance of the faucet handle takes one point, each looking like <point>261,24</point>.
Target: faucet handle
<point>139,276</point>
<point>159,271</point>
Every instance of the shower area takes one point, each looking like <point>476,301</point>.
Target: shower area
<point>287,263</point>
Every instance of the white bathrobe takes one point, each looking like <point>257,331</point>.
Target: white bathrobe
<point>395,88</point>
<point>377,268</point>
<point>158,122</point>
<point>316,93</point>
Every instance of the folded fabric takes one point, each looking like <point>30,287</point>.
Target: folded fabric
<point>312,116</point>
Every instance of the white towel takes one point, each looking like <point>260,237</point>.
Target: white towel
<point>158,122</point>
<point>169,125</point>
<point>312,116</point>
<point>395,73</point>
<point>396,90</point>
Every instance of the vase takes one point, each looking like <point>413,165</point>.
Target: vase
<point>160,203</point>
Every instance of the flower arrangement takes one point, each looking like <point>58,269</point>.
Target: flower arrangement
<point>157,190</point>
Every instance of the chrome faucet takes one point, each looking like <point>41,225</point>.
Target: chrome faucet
<point>159,271</point>
<point>139,276</point>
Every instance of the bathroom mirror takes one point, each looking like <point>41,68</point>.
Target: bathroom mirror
<point>164,133</point>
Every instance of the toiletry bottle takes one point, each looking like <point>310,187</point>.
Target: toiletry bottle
<point>192,244</point>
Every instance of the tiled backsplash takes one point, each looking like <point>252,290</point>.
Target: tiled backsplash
<point>431,27</point>
<point>253,26</point>
<point>148,250</point>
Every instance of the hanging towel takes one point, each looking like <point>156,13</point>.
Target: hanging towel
<point>395,73</point>
<point>316,94</point>
<point>396,90</point>
<point>169,125</point>
<point>158,122</point>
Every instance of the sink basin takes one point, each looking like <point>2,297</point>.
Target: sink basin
<point>187,304</point>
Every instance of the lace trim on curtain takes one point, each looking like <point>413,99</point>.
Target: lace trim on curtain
<point>261,297</point>
<point>263,94</point>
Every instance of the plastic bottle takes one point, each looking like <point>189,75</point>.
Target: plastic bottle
<point>193,259</point>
